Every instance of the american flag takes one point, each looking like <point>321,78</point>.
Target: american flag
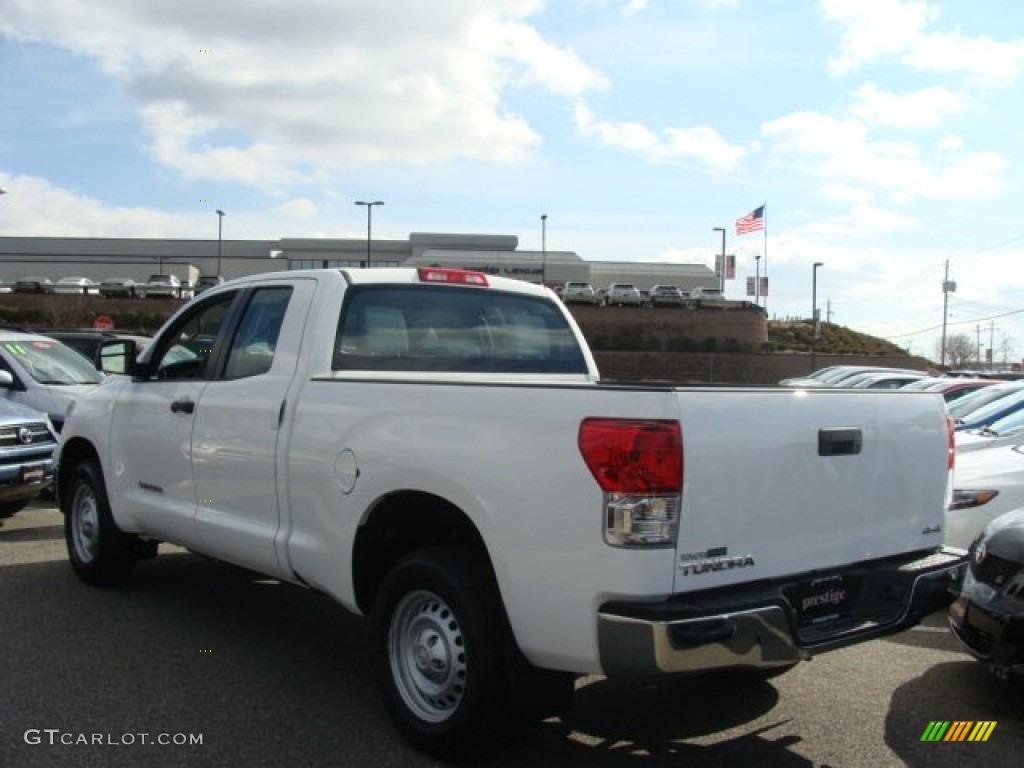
<point>752,222</point>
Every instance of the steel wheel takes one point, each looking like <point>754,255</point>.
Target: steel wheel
<point>99,551</point>
<point>427,655</point>
<point>85,522</point>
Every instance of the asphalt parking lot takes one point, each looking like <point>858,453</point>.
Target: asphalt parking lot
<point>266,674</point>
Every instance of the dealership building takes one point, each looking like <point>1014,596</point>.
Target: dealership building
<point>138,258</point>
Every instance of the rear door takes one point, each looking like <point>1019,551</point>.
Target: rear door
<point>235,439</point>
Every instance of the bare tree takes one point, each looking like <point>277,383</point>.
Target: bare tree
<point>960,351</point>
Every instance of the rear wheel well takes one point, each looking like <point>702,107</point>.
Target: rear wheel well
<point>401,523</point>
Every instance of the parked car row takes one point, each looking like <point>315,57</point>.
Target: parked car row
<point>157,286</point>
<point>629,295</point>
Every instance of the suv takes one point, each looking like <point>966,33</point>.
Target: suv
<point>623,293</point>
<point>579,293</point>
<point>166,286</point>
<point>27,442</point>
<point>666,296</point>
<point>701,295</point>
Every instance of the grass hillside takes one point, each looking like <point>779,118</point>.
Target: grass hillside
<point>835,339</point>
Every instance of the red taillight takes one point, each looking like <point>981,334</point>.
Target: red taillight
<point>951,432</point>
<point>454,276</point>
<point>633,456</point>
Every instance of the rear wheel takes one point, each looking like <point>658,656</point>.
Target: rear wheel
<point>439,651</point>
<point>100,552</point>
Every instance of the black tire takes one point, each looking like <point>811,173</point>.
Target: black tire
<point>8,508</point>
<point>100,552</point>
<point>438,652</point>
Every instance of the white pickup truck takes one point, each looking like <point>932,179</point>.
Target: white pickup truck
<point>433,448</point>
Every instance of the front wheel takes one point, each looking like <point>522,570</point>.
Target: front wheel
<point>100,552</point>
<point>438,651</point>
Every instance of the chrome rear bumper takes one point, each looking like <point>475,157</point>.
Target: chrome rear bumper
<point>760,626</point>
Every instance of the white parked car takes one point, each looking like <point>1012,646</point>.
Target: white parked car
<point>883,379</point>
<point>986,483</point>
<point>701,295</point>
<point>622,294</point>
<point>42,373</point>
<point>79,285</point>
<point>579,293</point>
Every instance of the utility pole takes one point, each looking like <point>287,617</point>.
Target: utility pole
<point>948,287</point>
<point>991,342</point>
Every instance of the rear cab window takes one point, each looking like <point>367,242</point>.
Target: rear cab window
<point>453,328</point>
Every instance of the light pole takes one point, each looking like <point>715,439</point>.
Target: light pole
<point>757,281</point>
<point>220,237</point>
<point>721,267</point>
<point>814,311</point>
<point>543,248</point>
<point>369,224</point>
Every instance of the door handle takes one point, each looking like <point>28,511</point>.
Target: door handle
<point>183,406</point>
<point>840,441</point>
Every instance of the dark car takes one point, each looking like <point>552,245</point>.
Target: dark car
<point>86,341</point>
<point>119,288</point>
<point>205,282</point>
<point>988,615</point>
<point>33,285</point>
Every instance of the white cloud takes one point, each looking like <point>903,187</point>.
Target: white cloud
<point>838,192</point>
<point>300,208</point>
<point>34,207</point>
<point>633,7</point>
<point>873,29</point>
<point>701,143</point>
<point>840,150</point>
<point>926,107</point>
<point>231,93</point>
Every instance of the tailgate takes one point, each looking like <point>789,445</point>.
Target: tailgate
<point>781,482</point>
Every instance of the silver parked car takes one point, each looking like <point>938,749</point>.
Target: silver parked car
<point>75,285</point>
<point>667,296</point>
<point>623,294</point>
<point>163,286</point>
<point>27,442</point>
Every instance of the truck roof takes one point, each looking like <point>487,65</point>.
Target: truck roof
<point>403,275</point>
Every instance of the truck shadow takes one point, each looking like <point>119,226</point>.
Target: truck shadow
<point>980,697</point>
<point>271,674</point>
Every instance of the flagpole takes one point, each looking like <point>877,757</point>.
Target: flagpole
<point>765,250</point>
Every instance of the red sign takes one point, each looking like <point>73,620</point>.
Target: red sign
<point>103,323</point>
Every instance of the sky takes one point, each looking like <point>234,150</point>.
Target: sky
<point>884,137</point>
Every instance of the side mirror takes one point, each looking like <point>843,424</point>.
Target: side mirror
<point>117,356</point>
<point>6,379</point>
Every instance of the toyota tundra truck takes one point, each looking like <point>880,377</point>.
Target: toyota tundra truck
<point>435,449</point>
